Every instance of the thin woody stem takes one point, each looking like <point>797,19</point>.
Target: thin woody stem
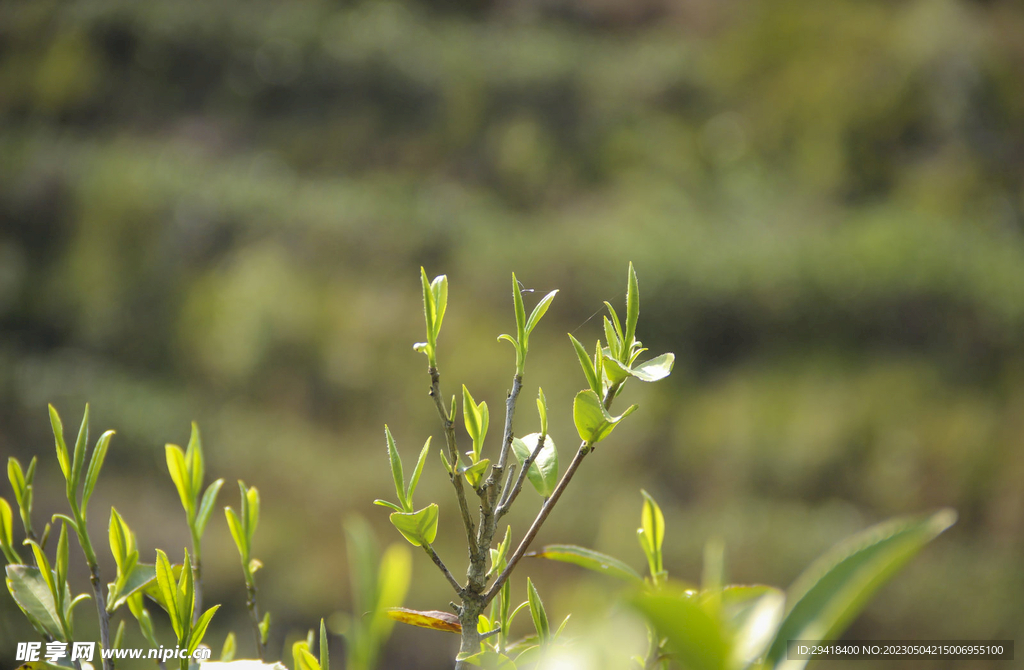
<point>545,510</point>
<point>254,614</point>
<point>453,458</point>
<point>513,493</point>
<point>440,564</point>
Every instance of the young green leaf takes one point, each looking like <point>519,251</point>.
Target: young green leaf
<point>228,649</point>
<point>169,594</point>
<point>178,470</point>
<point>477,418</point>
<point>517,299</point>
<point>615,371</point>
<point>540,616</point>
<point>542,410</point>
<point>396,470</point>
<point>389,505</point>
<point>237,533</point>
<point>411,488</point>
<point>63,557</point>
<point>17,478</point>
<point>303,659</point>
<point>593,422</point>
<point>833,590</point>
<point>62,447</point>
<point>654,369</point>
<point>325,663</point>
<point>538,313</point>
<point>195,462</point>
<point>419,528</point>
<point>429,308</point>
<point>81,445</point>
<point>543,472</point>
<point>439,292</point>
<point>252,498</point>
<point>206,506</point>
<point>588,366</point>
<point>199,629</point>
<point>589,559</point>
<point>613,339</point>
<point>140,577</point>
<point>632,308</point>
<point>7,533</point>
<point>265,628</point>
<point>99,454</point>
<point>118,642</point>
<point>474,473</point>
<point>651,533</point>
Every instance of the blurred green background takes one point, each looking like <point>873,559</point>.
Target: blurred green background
<point>217,211</point>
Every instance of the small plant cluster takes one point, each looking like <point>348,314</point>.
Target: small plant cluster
<point>42,589</point>
<point>485,638</point>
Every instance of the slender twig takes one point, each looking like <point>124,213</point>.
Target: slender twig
<point>440,564</point>
<point>545,510</point>
<point>513,493</point>
<point>101,611</point>
<point>506,443</point>
<point>490,633</point>
<point>254,614</point>
<point>508,488</point>
<point>453,458</point>
<point>197,580</point>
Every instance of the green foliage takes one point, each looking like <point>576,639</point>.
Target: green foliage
<point>524,325</point>
<point>832,591</point>
<point>71,466</point>
<point>187,469</point>
<point>178,599</point>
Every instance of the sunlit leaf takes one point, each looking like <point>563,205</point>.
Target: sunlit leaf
<point>832,591</point>
<point>654,369</point>
<point>632,307</point>
<point>474,473</point>
<point>419,528</point>
<point>396,469</point>
<point>537,611</point>
<point>588,365</point>
<point>543,472</point>
<point>593,422</point>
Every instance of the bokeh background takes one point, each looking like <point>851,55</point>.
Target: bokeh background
<point>218,210</point>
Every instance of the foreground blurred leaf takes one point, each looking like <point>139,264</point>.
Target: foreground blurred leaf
<point>692,633</point>
<point>833,590</point>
